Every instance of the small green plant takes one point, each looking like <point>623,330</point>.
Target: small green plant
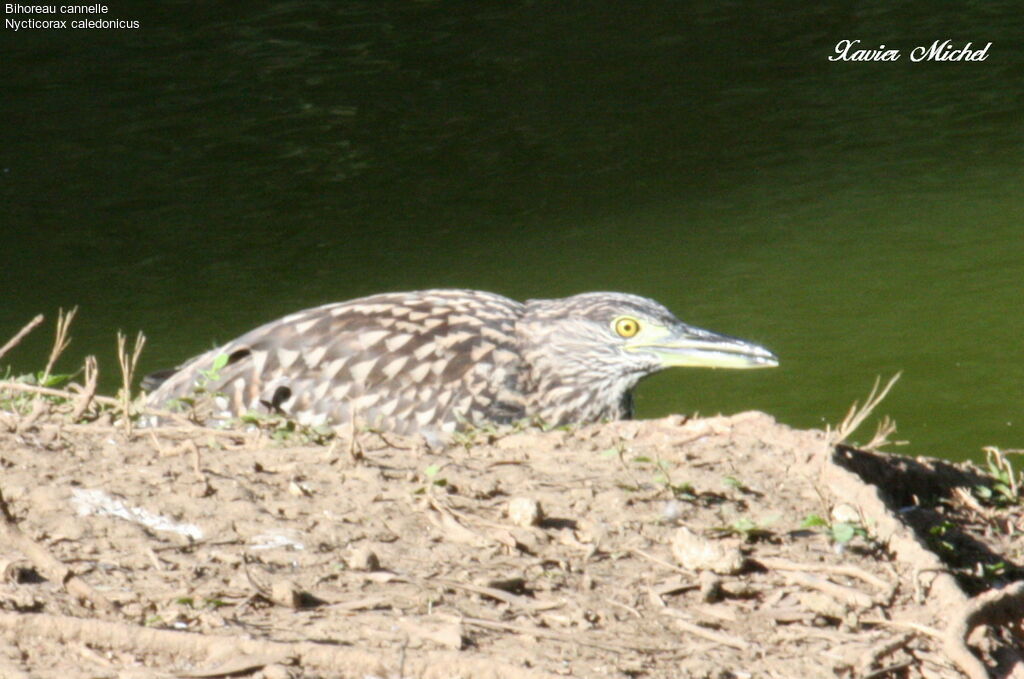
<point>937,535</point>
<point>213,373</point>
<point>839,532</point>
<point>1006,486</point>
<point>200,389</point>
<point>21,401</point>
<point>993,570</point>
<point>430,473</point>
<point>24,401</point>
<point>286,430</point>
<point>472,435</point>
<point>745,528</point>
<point>192,602</point>
<point>680,491</point>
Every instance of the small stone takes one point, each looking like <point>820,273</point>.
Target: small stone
<point>299,489</point>
<point>363,559</point>
<point>287,593</point>
<point>700,554</point>
<point>201,489</point>
<point>524,511</point>
<point>16,570</point>
<point>710,587</point>
<point>276,671</point>
<point>845,513</point>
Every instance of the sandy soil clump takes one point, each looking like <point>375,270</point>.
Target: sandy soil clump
<point>720,547</point>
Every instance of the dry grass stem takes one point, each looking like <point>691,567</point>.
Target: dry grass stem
<point>85,398</point>
<point>856,415</point>
<point>886,427</point>
<point>60,340</point>
<point>128,362</point>
<point>14,341</point>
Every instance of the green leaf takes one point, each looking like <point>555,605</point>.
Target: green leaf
<point>843,532</point>
<point>744,525</point>
<point>55,380</point>
<point>1003,490</point>
<point>219,362</point>
<point>813,521</point>
<point>684,489</point>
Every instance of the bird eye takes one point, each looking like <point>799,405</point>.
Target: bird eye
<point>627,327</point>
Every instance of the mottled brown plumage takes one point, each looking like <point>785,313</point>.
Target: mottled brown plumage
<point>437,361</point>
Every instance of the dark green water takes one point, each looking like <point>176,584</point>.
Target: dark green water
<point>225,164</point>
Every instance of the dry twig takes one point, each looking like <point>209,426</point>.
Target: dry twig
<point>543,633</point>
<point>848,596</point>
<point>20,335</point>
<point>845,570</point>
<point>703,632</point>
<point>50,391</point>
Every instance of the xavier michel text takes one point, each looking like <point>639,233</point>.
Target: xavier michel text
<point>940,50</point>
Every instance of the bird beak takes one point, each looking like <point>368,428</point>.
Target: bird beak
<point>687,346</point>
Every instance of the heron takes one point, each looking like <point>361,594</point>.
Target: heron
<point>435,362</point>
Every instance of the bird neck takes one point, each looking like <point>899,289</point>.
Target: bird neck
<point>564,383</point>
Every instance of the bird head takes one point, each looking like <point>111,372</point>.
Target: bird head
<point>615,339</point>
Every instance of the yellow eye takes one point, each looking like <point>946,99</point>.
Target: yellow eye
<point>627,327</point>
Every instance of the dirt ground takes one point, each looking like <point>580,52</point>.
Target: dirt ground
<point>719,547</point>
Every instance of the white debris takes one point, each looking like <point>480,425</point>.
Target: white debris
<point>273,541</point>
<point>98,503</point>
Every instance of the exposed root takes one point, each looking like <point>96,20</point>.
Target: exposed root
<point>199,648</point>
<point>880,650</point>
<point>995,608</point>
<point>51,568</point>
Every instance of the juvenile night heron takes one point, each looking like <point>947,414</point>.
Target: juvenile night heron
<point>437,361</point>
